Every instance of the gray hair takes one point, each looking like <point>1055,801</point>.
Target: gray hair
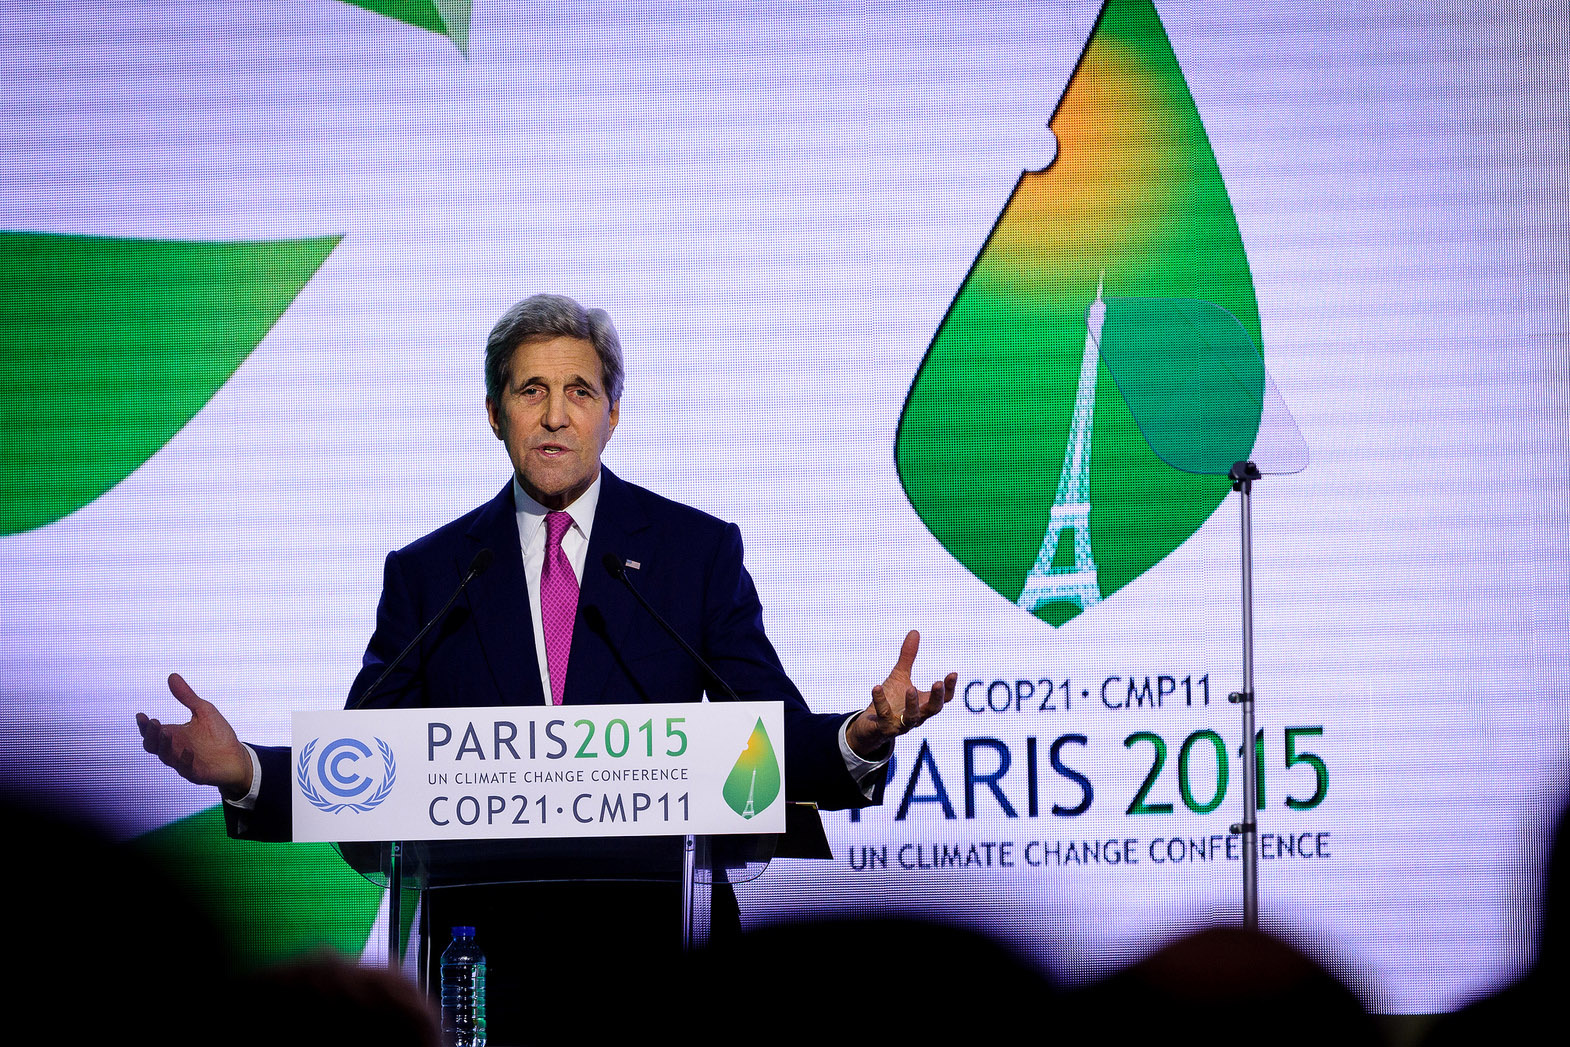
<point>549,316</point>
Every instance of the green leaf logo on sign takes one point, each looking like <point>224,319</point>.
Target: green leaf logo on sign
<point>754,782</point>
<point>1015,446</point>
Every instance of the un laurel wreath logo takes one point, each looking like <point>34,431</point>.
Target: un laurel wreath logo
<point>337,773</point>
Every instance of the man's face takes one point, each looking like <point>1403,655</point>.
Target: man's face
<point>554,418</point>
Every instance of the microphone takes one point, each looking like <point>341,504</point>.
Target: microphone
<point>618,570</point>
<point>477,567</point>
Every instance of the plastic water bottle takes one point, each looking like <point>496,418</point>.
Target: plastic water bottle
<point>463,991</point>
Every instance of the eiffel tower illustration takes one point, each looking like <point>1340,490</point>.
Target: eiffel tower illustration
<point>752,791</point>
<point>1071,508</point>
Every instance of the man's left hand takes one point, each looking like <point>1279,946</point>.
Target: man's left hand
<point>897,706</point>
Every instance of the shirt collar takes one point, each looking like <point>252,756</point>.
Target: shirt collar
<point>531,514</point>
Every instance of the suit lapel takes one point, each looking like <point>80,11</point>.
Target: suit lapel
<point>605,608</point>
<point>499,601</point>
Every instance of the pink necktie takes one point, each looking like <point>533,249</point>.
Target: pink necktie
<point>558,603</point>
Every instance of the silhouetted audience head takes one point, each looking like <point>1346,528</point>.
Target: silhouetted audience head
<point>112,947</point>
<point>854,980</point>
<point>325,999</point>
<point>1521,1009</point>
<point>109,946</point>
<point>1553,931</point>
<point>1221,983</point>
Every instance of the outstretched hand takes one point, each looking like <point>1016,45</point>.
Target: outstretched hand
<point>897,707</point>
<point>203,750</point>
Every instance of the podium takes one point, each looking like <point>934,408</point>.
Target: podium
<point>689,794</point>
<point>718,863</point>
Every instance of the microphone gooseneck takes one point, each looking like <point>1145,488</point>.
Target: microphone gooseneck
<point>618,570</point>
<point>477,566</point>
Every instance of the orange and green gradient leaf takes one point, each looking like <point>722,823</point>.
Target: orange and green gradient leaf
<point>108,347</point>
<point>1134,193</point>
<point>754,782</point>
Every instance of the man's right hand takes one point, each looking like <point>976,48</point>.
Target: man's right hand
<point>204,750</point>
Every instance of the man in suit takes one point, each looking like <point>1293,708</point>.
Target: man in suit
<point>553,389</point>
<point>548,623</point>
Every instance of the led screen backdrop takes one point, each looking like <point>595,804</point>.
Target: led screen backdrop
<point>250,253</point>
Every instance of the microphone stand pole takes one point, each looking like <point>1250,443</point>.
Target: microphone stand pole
<point>1243,475</point>
<point>394,905</point>
<point>477,567</point>
<point>689,845</point>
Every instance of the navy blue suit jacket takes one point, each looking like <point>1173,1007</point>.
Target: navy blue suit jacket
<point>482,653</point>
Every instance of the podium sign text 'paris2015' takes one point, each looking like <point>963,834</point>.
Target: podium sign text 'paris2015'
<point>520,773</point>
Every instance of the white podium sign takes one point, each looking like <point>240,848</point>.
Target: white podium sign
<point>529,772</point>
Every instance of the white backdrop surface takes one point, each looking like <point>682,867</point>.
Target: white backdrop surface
<point>777,205</point>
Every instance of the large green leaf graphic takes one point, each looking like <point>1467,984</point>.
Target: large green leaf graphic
<point>275,900</point>
<point>109,346</point>
<point>447,17</point>
<point>1133,205</point>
